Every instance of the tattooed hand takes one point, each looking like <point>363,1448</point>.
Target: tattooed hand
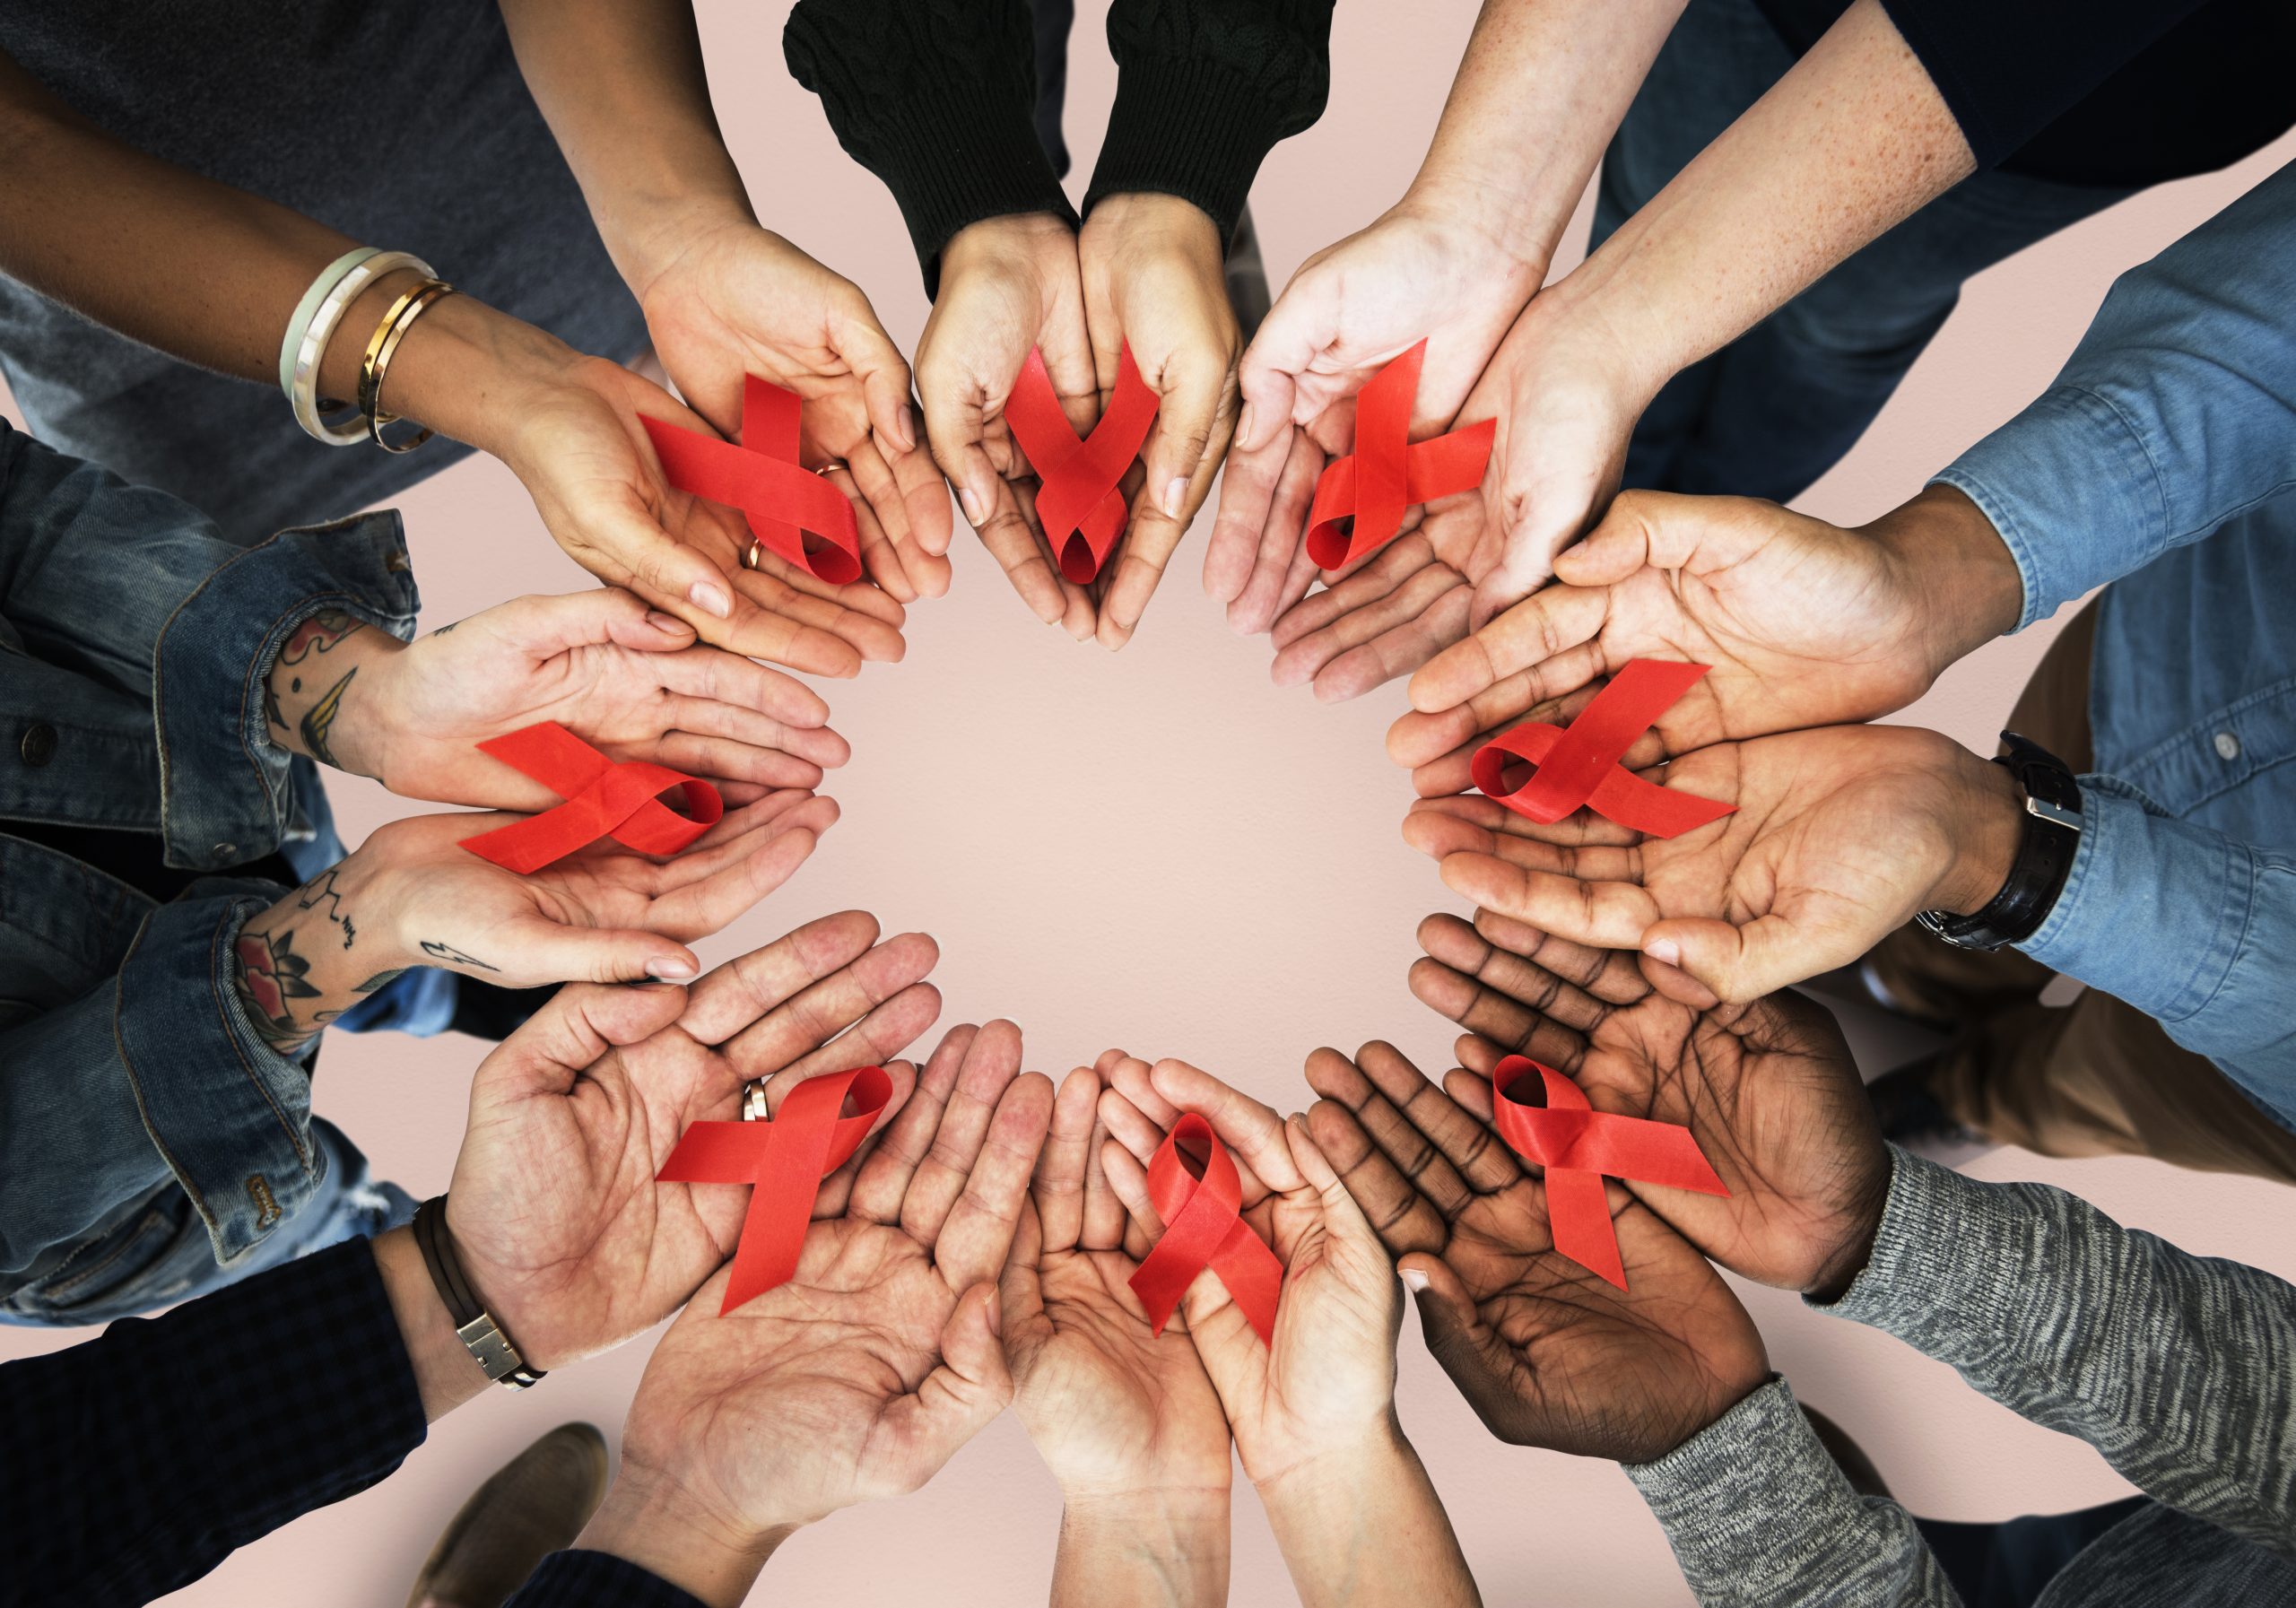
<point>632,682</point>
<point>412,896</point>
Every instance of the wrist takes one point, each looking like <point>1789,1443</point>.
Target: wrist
<point>1491,217</point>
<point>1342,1466</point>
<point>1988,817</point>
<point>1142,1547</point>
<point>648,1519</point>
<point>444,1373</point>
<point>1130,215</point>
<point>996,242</point>
<point>471,371</point>
<point>1942,550</point>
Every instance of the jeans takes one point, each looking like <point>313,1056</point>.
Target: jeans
<point>1773,411</point>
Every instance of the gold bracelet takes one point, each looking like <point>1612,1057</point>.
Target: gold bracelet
<point>374,367</point>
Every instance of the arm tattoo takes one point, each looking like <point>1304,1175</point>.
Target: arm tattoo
<point>271,978</point>
<point>320,891</point>
<point>447,954</point>
<point>298,658</point>
<point>318,720</point>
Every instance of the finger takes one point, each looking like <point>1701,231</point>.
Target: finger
<point>1463,1141</point>
<point>857,337</point>
<point>1020,1293</point>
<point>769,857</point>
<point>1105,1220</point>
<point>1343,1218</point>
<point>536,950</point>
<point>1058,1190</point>
<point>878,1192</point>
<point>829,1014</point>
<point>1282,572</point>
<point>1251,1130</point>
<point>991,1062</point>
<point>1193,423</point>
<point>976,1231</point>
<point>881,558</point>
<point>542,628</point>
<point>1011,540</point>
<point>1247,486</point>
<point>1477,979</point>
<point>1300,325</point>
<point>1398,650</point>
<point>1607,975</point>
<point>576,1026</point>
<point>1467,1350</point>
<point>924,501</point>
<point>713,676</point>
<point>835,1194</point>
<point>1127,1178</point>
<point>1127,1126</point>
<point>1740,964</point>
<point>623,543</point>
<point>747,986</point>
<point>1469,1089</point>
<point>1128,1075</point>
<point>962,1395</point>
<point>1403,1218</point>
<point>1611,915</point>
<point>1533,640</point>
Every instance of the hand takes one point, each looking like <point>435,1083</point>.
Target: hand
<point>1007,285</point>
<point>1803,623</point>
<point>1768,1090</point>
<point>1420,271</point>
<point>1545,1353</point>
<point>1840,835</point>
<point>555,1210</point>
<point>863,1374</point>
<point>1153,278</point>
<point>630,681</point>
<point>736,299</point>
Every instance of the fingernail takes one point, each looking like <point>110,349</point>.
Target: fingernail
<point>669,623</point>
<point>669,970</point>
<point>710,599</point>
<point>1244,424</point>
<point>1175,494</point>
<point>970,503</point>
<point>1664,949</point>
<point>1413,1280</point>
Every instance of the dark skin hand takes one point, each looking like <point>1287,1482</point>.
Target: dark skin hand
<point>1768,1090</point>
<point>1545,1353</point>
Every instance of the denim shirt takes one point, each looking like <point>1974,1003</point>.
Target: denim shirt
<point>134,641</point>
<point>2160,466</point>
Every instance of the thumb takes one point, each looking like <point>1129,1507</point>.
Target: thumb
<point>860,340</point>
<point>1186,418</point>
<point>550,952</point>
<point>955,419</point>
<point>1727,962</point>
<point>1454,1330</point>
<point>1626,541</point>
<point>1296,328</point>
<point>546,627</point>
<point>958,1399</point>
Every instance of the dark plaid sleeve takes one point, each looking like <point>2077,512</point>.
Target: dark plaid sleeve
<point>582,1580</point>
<point>135,1463</point>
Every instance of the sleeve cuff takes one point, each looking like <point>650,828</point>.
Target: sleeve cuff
<point>1191,128</point>
<point>224,793</point>
<point>2071,489</point>
<point>580,1578</point>
<point>1758,1512</point>
<point>231,1117</point>
<point>1943,1255</point>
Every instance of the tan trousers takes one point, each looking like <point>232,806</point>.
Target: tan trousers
<point>2094,1078</point>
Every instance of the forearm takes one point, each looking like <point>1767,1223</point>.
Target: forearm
<point>1164,1550</point>
<point>1362,1526</point>
<point>314,703</point>
<point>1538,94</point>
<point>647,1521</point>
<point>2175,1367</point>
<point>1942,549</point>
<point>318,952</point>
<point>1851,141</point>
<point>623,85</point>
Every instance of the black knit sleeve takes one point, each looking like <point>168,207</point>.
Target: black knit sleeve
<point>1204,90</point>
<point>937,98</point>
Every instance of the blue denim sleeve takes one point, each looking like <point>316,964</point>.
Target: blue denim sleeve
<point>587,1579</point>
<point>2191,927</point>
<point>2177,411</point>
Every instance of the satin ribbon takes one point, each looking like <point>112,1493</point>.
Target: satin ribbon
<point>1078,504</point>
<point>1202,1229</point>
<point>603,799</point>
<point>785,1161</point>
<point>761,475</point>
<point>1388,472</point>
<point>1577,1146</point>
<point>1580,766</point>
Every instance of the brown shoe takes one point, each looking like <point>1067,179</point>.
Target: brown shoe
<point>531,1507</point>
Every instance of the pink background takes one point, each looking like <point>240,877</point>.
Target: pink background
<point>1162,850</point>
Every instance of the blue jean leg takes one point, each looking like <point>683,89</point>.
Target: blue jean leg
<point>1770,414</point>
<point>2009,1565</point>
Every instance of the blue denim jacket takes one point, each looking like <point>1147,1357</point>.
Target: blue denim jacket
<point>2160,466</point>
<point>149,1138</point>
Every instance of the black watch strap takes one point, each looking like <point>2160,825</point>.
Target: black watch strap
<point>2045,852</point>
<point>480,1335</point>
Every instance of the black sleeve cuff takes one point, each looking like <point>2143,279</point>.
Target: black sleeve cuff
<point>586,1579</point>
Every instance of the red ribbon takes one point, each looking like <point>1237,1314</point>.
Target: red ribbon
<point>761,477</point>
<point>1388,472</point>
<point>1202,1229</point>
<point>785,1161</point>
<point>1078,504</point>
<point>1577,1146</point>
<point>1580,766</point>
<point>603,799</point>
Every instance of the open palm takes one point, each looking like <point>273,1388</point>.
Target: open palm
<point>1547,1353</point>
<point>554,1208</point>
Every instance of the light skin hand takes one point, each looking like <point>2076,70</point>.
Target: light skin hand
<point>1007,285</point>
<point>1313,1413</point>
<point>1545,1353</point>
<point>867,1370</point>
<point>1126,1420</point>
<point>1840,835</point>
<point>1153,277</point>
<point>1803,624</point>
<point>1767,1089</point>
<point>632,682</point>
<point>556,1214</point>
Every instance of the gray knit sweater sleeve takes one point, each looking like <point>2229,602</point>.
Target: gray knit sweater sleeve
<point>1758,1514</point>
<point>2180,1370</point>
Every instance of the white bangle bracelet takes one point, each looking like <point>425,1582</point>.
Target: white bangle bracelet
<point>329,277</point>
<point>303,384</point>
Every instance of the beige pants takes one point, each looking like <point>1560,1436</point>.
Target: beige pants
<point>2094,1078</point>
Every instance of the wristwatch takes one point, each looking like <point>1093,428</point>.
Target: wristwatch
<point>2044,855</point>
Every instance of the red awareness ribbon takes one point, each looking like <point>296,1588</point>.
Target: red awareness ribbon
<point>785,1161</point>
<point>1388,472</point>
<point>1078,504</point>
<point>1202,1229</point>
<point>1577,1146</point>
<point>603,799</point>
<point>761,475</point>
<point>1580,766</point>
